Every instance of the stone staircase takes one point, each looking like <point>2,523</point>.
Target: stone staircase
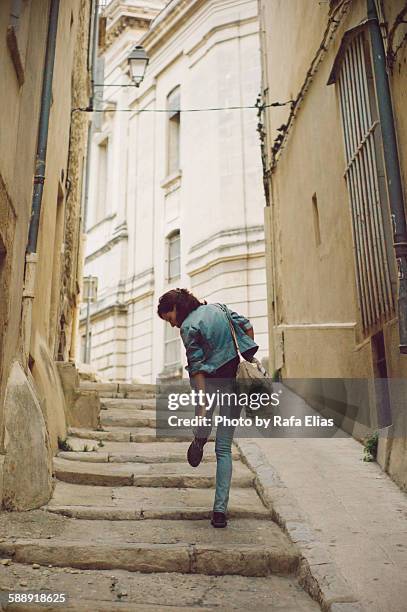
<point>127,527</point>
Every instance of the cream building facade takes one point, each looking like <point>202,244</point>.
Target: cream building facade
<point>39,290</point>
<point>176,198</point>
<point>336,283</point>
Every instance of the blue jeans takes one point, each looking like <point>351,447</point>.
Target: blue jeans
<point>223,380</point>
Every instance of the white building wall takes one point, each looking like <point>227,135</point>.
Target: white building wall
<point>216,201</point>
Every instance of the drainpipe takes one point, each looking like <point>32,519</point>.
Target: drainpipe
<point>392,164</point>
<point>90,108</point>
<point>39,178</point>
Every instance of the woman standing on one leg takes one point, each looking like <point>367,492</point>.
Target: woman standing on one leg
<point>212,360</point>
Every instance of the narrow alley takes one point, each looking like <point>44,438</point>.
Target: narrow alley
<point>203,196</point>
<point>124,529</point>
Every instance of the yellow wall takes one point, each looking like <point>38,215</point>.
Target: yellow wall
<point>315,284</point>
<point>312,287</point>
<point>18,140</point>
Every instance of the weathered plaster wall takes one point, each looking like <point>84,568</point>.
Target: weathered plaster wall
<point>315,315</point>
<point>60,212</point>
<point>72,258</point>
<point>17,151</point>
<point>315,284</point>
<point>34,399</point>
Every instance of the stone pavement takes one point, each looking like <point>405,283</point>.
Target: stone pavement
<point>340,509</point>
<point>127,528</point>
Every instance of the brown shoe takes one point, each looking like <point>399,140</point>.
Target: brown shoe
<point>195,451</point>
<point>219,519</point>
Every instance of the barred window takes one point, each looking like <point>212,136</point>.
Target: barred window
<point>365,179</point>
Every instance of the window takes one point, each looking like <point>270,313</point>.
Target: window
<point>102,183</point>
<point>17,35</point>
<point>364,174</point>
<point>172,353</point>
<point>174,129</point>
<point>174,256</point>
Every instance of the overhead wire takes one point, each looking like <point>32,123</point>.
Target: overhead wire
<point>182,110</point>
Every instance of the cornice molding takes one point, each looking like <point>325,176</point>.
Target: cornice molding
<point>220,260</point>
<point>171,19</point>
<point>123,23</point>
<point>168,21</point>
<point>139,285</point>
<point>105,248</point>
<point>237,231</point>
<point>105,311</point>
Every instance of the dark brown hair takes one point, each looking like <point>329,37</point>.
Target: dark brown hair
<point>182,299</point>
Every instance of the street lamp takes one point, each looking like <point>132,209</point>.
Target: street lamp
<point>90,292</point>
<point>138,61</point>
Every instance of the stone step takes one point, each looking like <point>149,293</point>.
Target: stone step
<point>155,452</point>
<point>147,475</point>
<point>124,503</point>
<point>125,434</point>
<point>135,405</point>
<point>155,558</point>
<point>128,404</point>
<point>120,417</point>
<point>120,390</point>
<point>40,525</point>
<point>207,553</point>
<point>102,591</point>
<point>89,457</point>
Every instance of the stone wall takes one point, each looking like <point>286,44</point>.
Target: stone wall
<point>32,402</point>
<point>72,264</point>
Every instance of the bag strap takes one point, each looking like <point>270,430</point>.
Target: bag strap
<point>232,330</point>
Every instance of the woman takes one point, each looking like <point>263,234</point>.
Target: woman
<point>212,358</point>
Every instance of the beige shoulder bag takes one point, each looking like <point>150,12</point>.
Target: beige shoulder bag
<point>247,370</point>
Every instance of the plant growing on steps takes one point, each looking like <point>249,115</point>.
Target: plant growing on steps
<point>64,445</point>
<point>370,447</point>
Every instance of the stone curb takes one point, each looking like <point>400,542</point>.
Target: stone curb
<point>318,574</point>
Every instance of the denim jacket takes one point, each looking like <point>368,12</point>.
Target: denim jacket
<point>208,341</point>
